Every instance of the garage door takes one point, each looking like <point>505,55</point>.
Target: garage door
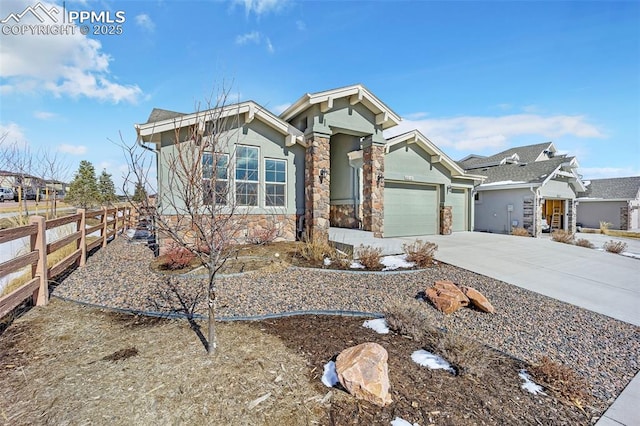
<point>410,209</point>
<point>457,199</point>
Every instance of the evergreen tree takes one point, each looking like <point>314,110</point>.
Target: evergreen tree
<point>106,188</point>
<point>139,194</point>
<point>83,190</point>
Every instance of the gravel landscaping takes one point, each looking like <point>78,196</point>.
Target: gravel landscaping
<point>526,325</point>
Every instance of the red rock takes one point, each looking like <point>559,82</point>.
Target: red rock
<point>364,372</point>
<point>446,296</point>
<point>478,299</point>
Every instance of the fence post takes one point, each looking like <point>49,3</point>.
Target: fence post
<point>39,242</point>
<point>104,227</point>
<point>82,242</point>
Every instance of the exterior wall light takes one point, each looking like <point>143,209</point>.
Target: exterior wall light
<point>323,174</point>
<point>379,179</point>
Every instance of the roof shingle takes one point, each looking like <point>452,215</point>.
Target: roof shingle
<point>613,188</point>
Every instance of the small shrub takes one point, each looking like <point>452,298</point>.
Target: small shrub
<point>604,226</point>
<point>465,355</point>
<point>316,248</point>
<point>615,246</point>
<point>409,319</point>
<point>563,382</point>
<point>369,257</point>
<point>421,253</point>
<point>519,232</point>
<point>582,242</point>
<point>263,236</point>
<point>562,237</point>
<point>176,258</point>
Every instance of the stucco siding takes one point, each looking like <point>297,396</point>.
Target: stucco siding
<point>590,213</point>
<point>271,145</point>
<point>491,211</point>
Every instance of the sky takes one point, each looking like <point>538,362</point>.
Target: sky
<point>474,77</point>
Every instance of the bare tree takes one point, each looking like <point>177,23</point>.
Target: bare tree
<point>196,208</point>
<point>54,169</point>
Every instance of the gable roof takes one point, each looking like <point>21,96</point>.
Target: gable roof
<point>161,120</point>
<point>356,94</point>
<point>158,114</point>
<point>437,156</point>
<point>627,188</point>
<point>520,154</point>
<point>535,173</point>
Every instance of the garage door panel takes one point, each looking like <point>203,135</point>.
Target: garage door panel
<point>410,209</point>
<point>458,202</point>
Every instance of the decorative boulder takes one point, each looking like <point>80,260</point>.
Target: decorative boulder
<point>446,296</point>
<point>478,299</point>
<point>364,372</point>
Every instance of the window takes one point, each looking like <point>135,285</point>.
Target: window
<point>247,159</point>
<point>275,178</point>
<point>221,164</point>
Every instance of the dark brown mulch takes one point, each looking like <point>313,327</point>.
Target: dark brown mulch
<point>419,395</point>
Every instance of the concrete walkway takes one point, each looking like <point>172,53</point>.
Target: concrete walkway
<point>595,280</point>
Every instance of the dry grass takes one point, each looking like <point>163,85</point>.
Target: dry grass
<point>409,318</point>
<point>582,242</point>
<point>604,226</point>
<point>563,382</point>
<point>520,232</point>
<point>316,248</point>
<point>420,252</point>
<point>369,257</point>
<point>562,237</point>
<point>64,364</point>
<point>615,246</point>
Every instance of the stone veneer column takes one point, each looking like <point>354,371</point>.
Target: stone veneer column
<point>446,220</point>
<point>373,188</point>
<point>317,201</point>
<point>571,216</point>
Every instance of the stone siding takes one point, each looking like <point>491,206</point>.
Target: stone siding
<point>446,220</point>
<point>243,229</point>
<point>571,216</point>
<point>624,218</point>
<point>316,192</point>
<point>343,216</point>
<point>373,189</point>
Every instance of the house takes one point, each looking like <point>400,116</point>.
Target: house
<point>615,200</point>
<point>325,162</point>
<point>529,186</point>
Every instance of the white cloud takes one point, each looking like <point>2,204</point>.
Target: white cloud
<point>252,37</point>
<point>300,25</point>
<point>72,149</point>
<point>65,65</point>
<point>608,172</point>
<point>260,7</point>
<point>10,134</point>
<point>279,109</point>
<point>144,21</point>
<point>476,133</point>
<point>44,115</point>
<point>269,46</point>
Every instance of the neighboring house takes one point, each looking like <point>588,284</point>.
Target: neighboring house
<point>529,186</point>
<point>15,180</point>
<point>615,200</point>
<point>336,168</point>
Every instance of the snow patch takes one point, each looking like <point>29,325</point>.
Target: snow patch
<point>379,325</point>
<point>326,261</point>
<point>529,384</point>
<point>330,376</point>
<point>395,262</point>
<point>399,421</point>
<point>356,265</point>
<point>432,361</point>
<point>503,182</point>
